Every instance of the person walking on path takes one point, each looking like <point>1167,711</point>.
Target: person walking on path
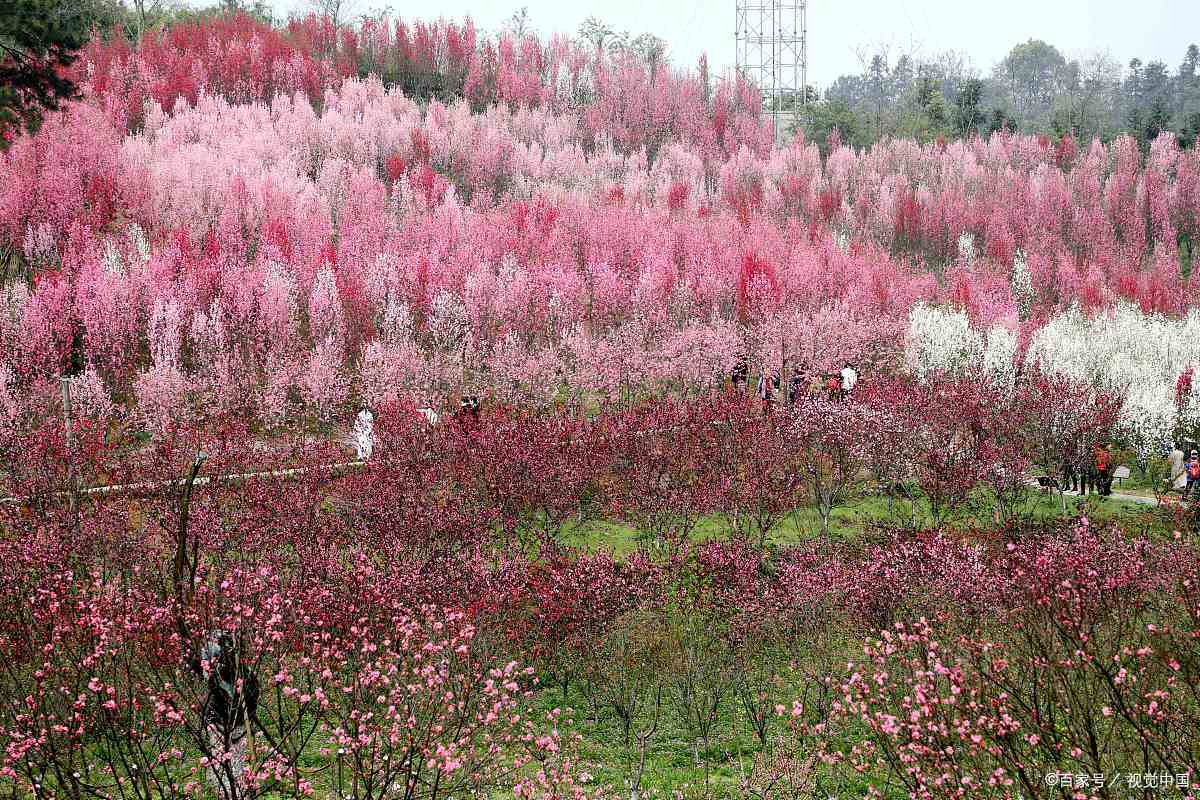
<point>767,384</point>
<point>796,385</point>
<point>849,378</point>
<point>1103,466</point>
<point>1192,472</point>
<point>1087,471</point>
<point>834,387</point>
<point>1072,479</point>
<point>816,385</point>
<point>1176,461</point>
<point>740,374</point>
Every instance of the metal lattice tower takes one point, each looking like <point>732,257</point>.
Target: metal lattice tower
<point>772,52</point>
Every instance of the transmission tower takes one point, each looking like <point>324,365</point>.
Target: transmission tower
<point>772,52</point>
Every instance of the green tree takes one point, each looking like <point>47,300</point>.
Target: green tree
<point>1190,68</point>
<point>1188,83</point>
<point>926,117</point>
<point>968,115</point>
<point>258,9</point>
<point>1084,107</point>
<point>596,32</point>
<point>1158,119</point>
<point>878,77</point>
<point>1032,73</point>
<point>39,39</point>
<point>1001,121</point>
<point>1189,132</point>
<point>518,24</point>
<point>651,49</point>
<point>1135,121</point>
<point>145,14</point>
<point>825,117</point>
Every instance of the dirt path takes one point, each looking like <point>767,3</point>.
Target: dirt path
<point>1128,498</point>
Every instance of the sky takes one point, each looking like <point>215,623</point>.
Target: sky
<point>839,29</point>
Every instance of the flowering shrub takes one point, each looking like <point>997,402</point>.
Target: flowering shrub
<point>240,237</point>
<point>361,601</point>
<point>1077,656</point>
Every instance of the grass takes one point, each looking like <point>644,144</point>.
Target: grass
<point>670,764</point>
<point>671,771</point>
<point>850,522</point>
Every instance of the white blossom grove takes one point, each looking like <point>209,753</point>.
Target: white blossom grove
<point>1128,351</point>
<point>1125,350</point>
<point>942,340</point>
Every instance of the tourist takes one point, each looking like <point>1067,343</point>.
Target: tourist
<point>1178,475</point>
<point>834,387</point>
<point>468,412</point>
<point>816,384</point>
<point>362,435</point>
<point>739,376</point>
<point>796,384</point>
<point>1103,464</point>
<point>1071,477</point>
<point>766,389</point>
<point>849,378</point>
<point>231,704</point>
<point>1087,472</point>
<point>1192,472</point>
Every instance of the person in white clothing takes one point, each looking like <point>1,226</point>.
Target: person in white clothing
<point>362,436</point>
<point>849,378</point>
<point>1178,473</point>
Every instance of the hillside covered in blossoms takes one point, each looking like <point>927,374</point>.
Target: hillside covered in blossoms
<point>227,218</point>
<point>573,551</point>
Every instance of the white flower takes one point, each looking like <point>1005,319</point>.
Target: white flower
<point>1137,355</point>
<point>941,340</point>
<point>999,351</point>
<point>1022,284</point>
<point>966,247</point>
<point>447,321</point>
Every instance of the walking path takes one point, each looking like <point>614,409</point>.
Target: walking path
<point>203,480</point>
<point>133,488</point>
<point>1128,498</point>
<point>234,477</point>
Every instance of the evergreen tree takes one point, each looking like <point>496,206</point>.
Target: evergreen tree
<point>1001,121</point>
<point>38,40</point>
<point>1189,132</point>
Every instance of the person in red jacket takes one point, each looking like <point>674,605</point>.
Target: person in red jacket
<point>1103,469</point>
<point>834,387</point>
<point>1192,470</point>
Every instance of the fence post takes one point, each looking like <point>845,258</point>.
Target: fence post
<point>73,485</point>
